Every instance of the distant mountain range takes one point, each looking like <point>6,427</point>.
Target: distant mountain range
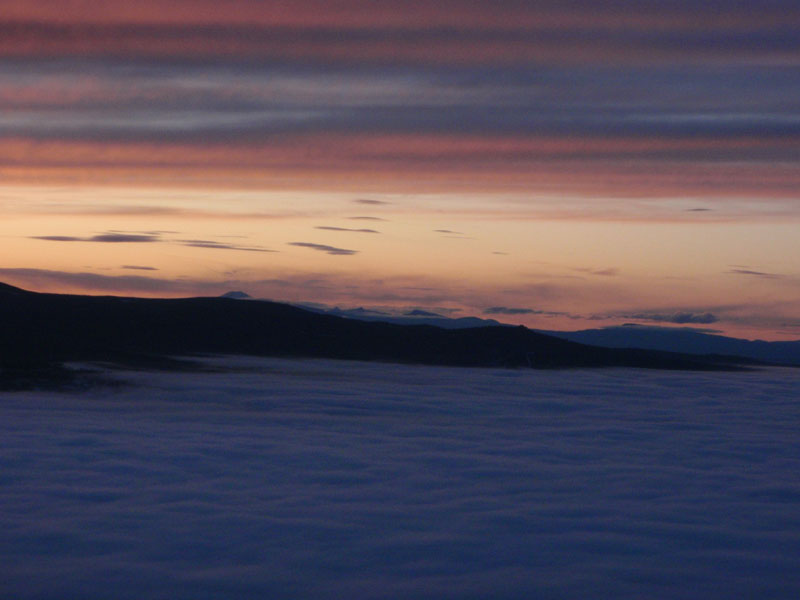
<point>684,339</point>
<point>669,339</point>
<point>411,317</point>
<point>44,329</point>
<point>237,295</point>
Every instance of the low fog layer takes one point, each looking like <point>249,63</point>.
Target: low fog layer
<point>323,479</point>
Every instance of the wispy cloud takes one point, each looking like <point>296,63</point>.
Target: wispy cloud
<point>139,268</point>
<point>114,237</point>
<point>679,318</point>
<point>608,272</point>
<point>47,279</point>
<point>325,248</point>
<point>124,238</point>
<point>752,273</point>
<point>59,238</point>
<point>222,246</point>
<point>366,219</point>
<point>370,202</point>
<point>347,229</point>
<point>508,310</point>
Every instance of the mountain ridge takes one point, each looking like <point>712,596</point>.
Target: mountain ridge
<point>685,340</point>
<point>62,327</point>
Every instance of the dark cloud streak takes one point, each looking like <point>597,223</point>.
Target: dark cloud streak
<point>109,238</point>
<point>609,272</point>
<point>761,274</point>
<point>512,311</point>
<point>123,238</point>
<point>370,202</point>
<point>325,248</point>
<point>584,37</point>
<point>345,229</point>
<point>118,237</point>
<point>58,238</point>
<point>679,318</point>
<point>221,246</point>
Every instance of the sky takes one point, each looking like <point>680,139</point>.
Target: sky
<point>563,165</point>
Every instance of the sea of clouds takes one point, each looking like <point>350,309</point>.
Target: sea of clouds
<point>326,479</point>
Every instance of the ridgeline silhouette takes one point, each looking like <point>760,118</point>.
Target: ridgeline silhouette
<point>48,329</point>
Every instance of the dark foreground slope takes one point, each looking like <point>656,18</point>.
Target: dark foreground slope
<point>41,328</point>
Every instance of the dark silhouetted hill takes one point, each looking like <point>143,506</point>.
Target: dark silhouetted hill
<point>47,328</point>
<point>683,340</point>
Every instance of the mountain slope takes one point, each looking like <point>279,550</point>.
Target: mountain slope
<point>414,317</point>
<point>671,339</point>
<point>56,327</point>
<point>648,337</point>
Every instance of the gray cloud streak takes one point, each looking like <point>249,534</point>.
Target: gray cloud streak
<point>370,202</point>
<point>155,236</point>
<point>325,248</point>
<point>106,283</point>
<point>609,272</point>
<point>680,318</point>
<point>221,246</point>
<point>761,274</point>
<point>512,311</point>
<point>345,229</point>
<point>112,238</point>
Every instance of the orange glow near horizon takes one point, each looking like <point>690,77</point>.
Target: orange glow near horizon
<point>572,273</point>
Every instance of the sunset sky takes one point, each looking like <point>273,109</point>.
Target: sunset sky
<point>560,164</point>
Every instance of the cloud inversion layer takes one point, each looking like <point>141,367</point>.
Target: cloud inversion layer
<point>382,481</point>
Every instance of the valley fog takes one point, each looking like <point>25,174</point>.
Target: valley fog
<point>318,479</point>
